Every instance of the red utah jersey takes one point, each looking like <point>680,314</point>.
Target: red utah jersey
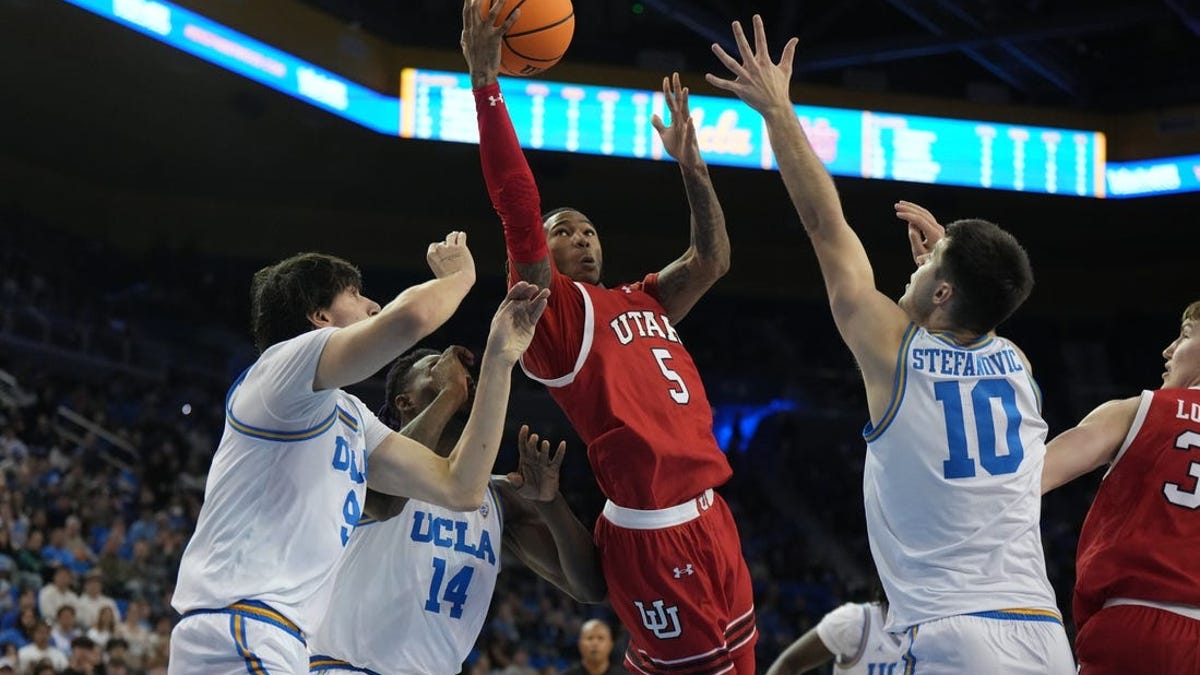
<point>617,368</point>
<point>1141,538</point>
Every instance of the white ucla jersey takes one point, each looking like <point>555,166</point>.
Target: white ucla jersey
<point>285,489</point>
<point>856,636</point>
<point>413,591</point>
<point>952,482</point>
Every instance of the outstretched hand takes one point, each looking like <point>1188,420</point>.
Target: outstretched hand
<point>759,81</point>
<point>481,39</point>
<point>679,139</point>
<point>515,320</point>
<point>450,256</point>
<point>450,372</point>
<point>536,478</point>
<point>924,231</point>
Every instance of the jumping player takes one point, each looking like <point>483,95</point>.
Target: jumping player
<point>414,590</point>
<point>956,440</point>
<point>287,482</point>
<point>616,365</point>
<point>853,637</point>
<point>1137,590</point>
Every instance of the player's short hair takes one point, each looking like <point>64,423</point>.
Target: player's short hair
<point>283,295</point>
<point>1192,313</point>
<point>398,378</point>
<point>555,211</point>
<point>989,270</point>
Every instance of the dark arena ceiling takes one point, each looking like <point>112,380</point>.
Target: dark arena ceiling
<point>1101,55</point>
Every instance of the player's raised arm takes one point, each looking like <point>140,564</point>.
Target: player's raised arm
<point>358,351</point>
<point>1090,445</point>
<point>452,380</point>
<point>685,280</point>
<point>509,181</point>
<point>401,466</point>
<point>870,323</point>
<point>541,530</point>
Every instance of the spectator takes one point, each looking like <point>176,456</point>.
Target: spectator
<point>6,666</point>
<point>40,648</point>
<point>135,630</point>
<point>105,627</point>
<point>29,557</point>
<point>595,651</point>
<point>93,600</point>
<point>83,659</point>
<point>57,593</point>
<point>116,649</point>
<point>65,629</point>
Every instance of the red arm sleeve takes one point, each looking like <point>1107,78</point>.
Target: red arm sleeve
<point>509,181</point>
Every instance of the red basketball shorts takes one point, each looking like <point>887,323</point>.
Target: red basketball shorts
<point>677,580</point>
<point>1133,639</point>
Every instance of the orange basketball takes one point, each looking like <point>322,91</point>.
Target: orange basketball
<point>538,39</point>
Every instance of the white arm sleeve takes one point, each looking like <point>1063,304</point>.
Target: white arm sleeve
<point>843,631</point>
<point>276,394</point>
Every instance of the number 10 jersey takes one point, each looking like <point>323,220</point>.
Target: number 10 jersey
<point>952,482</point>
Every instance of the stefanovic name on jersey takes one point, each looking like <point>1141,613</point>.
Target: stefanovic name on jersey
<point>447,533</point>
<point>642,324</point>
<point>965,364</point>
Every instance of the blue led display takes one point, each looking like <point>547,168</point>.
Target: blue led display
<point>1167,175</point>
<point>611,121</point>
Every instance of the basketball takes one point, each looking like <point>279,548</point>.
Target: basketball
<point>538,39</point>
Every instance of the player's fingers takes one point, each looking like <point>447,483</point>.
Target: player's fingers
<point>508,23</point>
<point>657,123</point>
<point>788,56</point>
<point>739,36</point>
<point>760,37</point>
<point>684,107</point>
<point>728,61</point>
<point>494,12</point>
<point>523,436</point>
<point>468,11</point>
<point>719,82</point>
<point>516,480</point>
<point>916,240</point>
<point>559,453</point>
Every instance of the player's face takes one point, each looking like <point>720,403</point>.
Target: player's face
<point>917,301</point>
<point>575,246</point>
<point>595,643</point>
<point>423,388</point>
<point>350,306</point>
<point>1183,358</point>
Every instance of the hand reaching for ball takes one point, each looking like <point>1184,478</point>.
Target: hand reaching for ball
<point>499,37</point>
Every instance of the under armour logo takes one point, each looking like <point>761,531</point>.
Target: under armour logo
<point>662,621</point>
<point>627,289</point>
<point>686,570</point>
<point>493,100</point>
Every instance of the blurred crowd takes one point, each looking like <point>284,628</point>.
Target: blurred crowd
<point>94,515</point>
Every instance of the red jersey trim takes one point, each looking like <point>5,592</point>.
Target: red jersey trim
<point>1134,428</point>
<point>585,347</point>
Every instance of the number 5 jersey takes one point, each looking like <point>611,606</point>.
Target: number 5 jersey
<point>618,369</point>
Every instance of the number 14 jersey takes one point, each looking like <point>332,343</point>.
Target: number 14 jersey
<point>952,482</point>
<point>413,592</point>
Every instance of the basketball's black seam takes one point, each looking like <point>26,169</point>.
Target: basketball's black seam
<point>546,27</point>
<point>514,9</point>
<point>530,58</point>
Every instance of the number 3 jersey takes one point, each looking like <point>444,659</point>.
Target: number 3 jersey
<point>1141,538</point>
<point>413,591</point>
<point>616,366</point>
<point>952,482</point>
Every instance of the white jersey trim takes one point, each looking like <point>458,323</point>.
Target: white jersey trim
<point>1138,419</point>
<point>585,347</point>
<point>1190,611</point>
